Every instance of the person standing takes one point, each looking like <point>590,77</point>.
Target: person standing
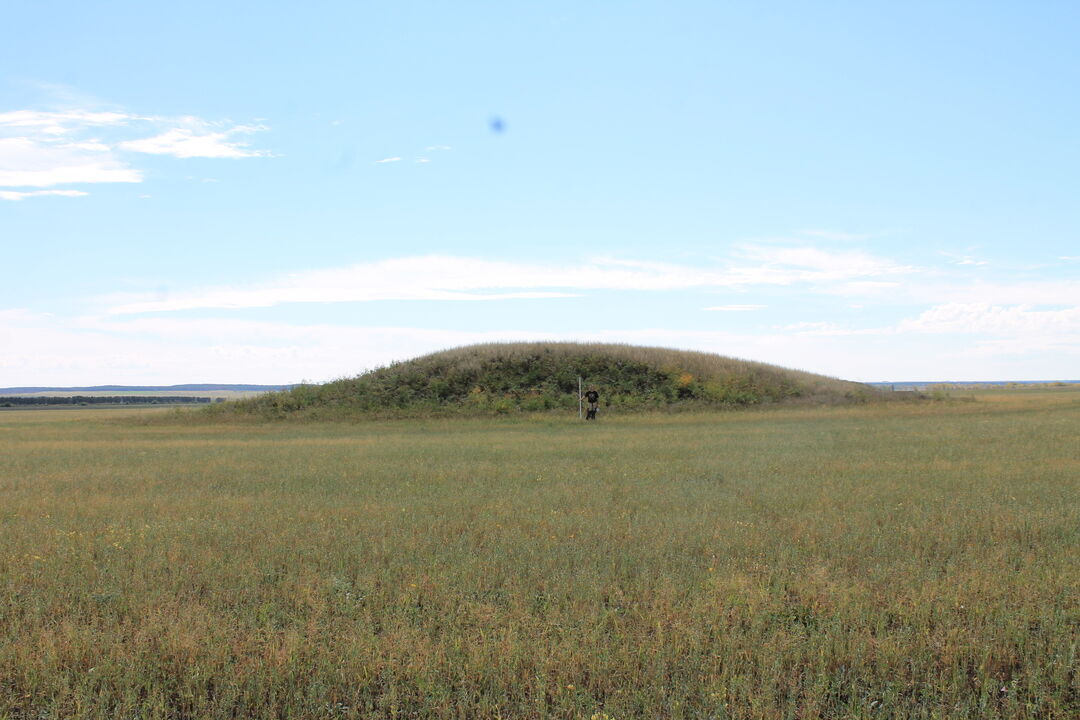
<point>593,398</point>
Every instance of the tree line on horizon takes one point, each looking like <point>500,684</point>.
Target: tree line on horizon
<point>103,400</point>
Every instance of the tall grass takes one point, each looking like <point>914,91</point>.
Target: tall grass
<point>503,378</point>
<point>899,561</point>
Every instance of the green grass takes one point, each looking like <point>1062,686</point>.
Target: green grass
<point>897,561</point>
<point>509,378</point>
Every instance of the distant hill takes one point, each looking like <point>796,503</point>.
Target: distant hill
<point>968,384</point>
<point>513,377</point>
<point>206,387</point>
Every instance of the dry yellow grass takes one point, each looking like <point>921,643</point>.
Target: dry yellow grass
<point>889,561</point>
<point>696,364</point>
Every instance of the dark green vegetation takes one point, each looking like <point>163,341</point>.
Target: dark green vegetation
<point>511,377</point>
<point>874,561</point>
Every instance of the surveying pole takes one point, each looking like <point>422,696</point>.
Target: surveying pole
<point>579,397</point>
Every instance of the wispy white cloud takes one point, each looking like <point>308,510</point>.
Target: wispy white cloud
<point>864,288</point>
<point>44,149</point>
<point>199,140</point>
<point>962,259</point>
<point>435,277</point>
<point>63,122</point>
<point>1017,321</point>
<point>420,159</point>
<point>16,195</point>
<point>170,350</point>
<point>733,308</point>
<point>955,334</point>
<point>1021,292</point>
<point>950,326</point>
<point>835,235</point>
<point>166,350</point>
<point>818,264</point>
<point>33,162</point>
<point>1065,347</point>
<point>983,318</point>
<point>831,329</point>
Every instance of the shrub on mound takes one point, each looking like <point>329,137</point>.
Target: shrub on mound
<point>514,377</point>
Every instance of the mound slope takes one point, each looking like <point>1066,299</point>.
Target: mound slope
<point>513,377</point>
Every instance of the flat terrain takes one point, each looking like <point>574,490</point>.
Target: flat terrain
<point>227,394</point>
<point>907,560</point>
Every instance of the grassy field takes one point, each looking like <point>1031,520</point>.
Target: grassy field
<point>901,561</point>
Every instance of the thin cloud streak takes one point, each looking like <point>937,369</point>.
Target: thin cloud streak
<point>733,308</point>
<point>435,277</point>
<point>419,159</point>
<point>198,142</point>
<point>63,122</point>
<point>17,196</point>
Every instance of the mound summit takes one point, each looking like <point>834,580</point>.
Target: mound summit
<point>502,378</point>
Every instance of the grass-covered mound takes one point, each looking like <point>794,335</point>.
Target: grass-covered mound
<point>512,377</point>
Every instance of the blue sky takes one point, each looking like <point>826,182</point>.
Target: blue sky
<point>269,192</point>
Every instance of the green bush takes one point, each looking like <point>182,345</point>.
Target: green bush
<point>535,377</point>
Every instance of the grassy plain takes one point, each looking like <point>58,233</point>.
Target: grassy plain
<point>905,560</point>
